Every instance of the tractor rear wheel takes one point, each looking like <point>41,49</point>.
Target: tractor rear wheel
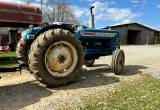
<point>89,63</point>
<point>118,60</point>
<point>22,52</point>
<point>56,57</point>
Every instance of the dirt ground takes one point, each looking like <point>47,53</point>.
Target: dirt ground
<point>24,92</point>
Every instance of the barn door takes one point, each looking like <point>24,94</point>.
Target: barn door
<point>133,37</point>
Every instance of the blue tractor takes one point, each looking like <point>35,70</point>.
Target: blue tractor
<point>56,53</point>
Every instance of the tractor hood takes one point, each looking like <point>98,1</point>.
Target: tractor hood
<point>101,33</point>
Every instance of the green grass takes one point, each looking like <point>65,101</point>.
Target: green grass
<point>7,64</point>
<point>141,95</point>
<point>8,54</point>
<point>6,60</point>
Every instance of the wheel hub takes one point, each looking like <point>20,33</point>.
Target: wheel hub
<point>120,62</point>
<point>61,58</point>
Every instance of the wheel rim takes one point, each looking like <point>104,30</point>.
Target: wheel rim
<point>61,58</point>
<point>120,61</point>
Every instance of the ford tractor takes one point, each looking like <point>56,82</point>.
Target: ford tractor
<point>56,53</point>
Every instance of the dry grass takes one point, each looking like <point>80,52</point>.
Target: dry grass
<point>141,95</point>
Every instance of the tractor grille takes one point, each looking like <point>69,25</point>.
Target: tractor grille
<point>99,44</point>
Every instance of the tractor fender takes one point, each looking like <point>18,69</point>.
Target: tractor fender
<point>36,31</point>
<point>31,31</point>
<point>54,27</point>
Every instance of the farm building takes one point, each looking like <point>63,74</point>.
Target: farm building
<point>13,18</point>
<point>135,33</point>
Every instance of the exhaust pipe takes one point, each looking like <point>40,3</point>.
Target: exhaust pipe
<point>91,17</point>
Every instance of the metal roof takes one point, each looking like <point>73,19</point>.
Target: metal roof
<point>137,24</point>
<point>19,15</point>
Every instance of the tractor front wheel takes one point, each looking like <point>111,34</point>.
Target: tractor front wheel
<point>118,60</point>
<point>56,57</point>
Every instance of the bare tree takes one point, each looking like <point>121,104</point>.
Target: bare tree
<point>58,11</point>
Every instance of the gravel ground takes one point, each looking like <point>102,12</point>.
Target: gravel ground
<point>24,92</point>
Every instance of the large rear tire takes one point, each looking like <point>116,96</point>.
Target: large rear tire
<point>56,57</point>
<point>118,60</point>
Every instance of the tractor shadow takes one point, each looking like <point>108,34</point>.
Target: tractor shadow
<point>15,97</point>
<point>18,96</point>
<point>98,75</point>
<point>94,77</point>
<point>132,70</point>
<point>12,69</point>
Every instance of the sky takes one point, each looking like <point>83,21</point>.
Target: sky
<point>113,12</point>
